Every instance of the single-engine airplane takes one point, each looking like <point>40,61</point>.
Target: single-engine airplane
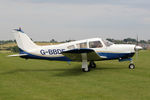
<point>88,50</point>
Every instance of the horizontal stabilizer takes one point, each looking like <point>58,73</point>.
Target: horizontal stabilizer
<point>17,55</point>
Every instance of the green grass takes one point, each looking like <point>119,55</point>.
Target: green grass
<point>52,80</point>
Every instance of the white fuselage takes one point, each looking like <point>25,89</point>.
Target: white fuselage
<point>55,50</point>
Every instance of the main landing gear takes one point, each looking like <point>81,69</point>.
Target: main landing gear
<point>92,64</point>
<point>85,66</point>
<point>88,68</point>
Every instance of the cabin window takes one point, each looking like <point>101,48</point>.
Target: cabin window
<point>95,44</point>
<point>71,47</point>
<point>82,45</point>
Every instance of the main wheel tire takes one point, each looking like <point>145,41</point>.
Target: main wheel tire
<point>86,69</point>
<point>131,66</point>
<point>92,65</point>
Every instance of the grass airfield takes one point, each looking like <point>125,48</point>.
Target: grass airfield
<point>22,79</point>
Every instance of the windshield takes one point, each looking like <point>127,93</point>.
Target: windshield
<point>95,44</point>
<point>107,43</point>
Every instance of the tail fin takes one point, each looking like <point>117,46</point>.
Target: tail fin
<point>23,41</point>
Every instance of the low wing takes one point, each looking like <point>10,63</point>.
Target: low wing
<point>76,54</point>
<point>17,55</point>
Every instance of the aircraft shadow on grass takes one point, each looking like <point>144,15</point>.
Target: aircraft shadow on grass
<point>75,71</point>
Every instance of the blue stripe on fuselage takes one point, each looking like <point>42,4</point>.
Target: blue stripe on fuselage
<point>116,55</point>
<point>63,58</point>
<point>31,56</point>
<point>109,56</point>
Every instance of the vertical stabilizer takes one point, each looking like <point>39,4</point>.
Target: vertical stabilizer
<point>23,41</point>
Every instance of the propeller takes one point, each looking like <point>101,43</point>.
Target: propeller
<point>137,47</point>
<point>137,40</point>
<point>136,50</point>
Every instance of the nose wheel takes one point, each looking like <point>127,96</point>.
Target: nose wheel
<point>131,66</point>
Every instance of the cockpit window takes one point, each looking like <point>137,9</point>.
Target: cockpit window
<point>82,45</point>
<point>95,44</point>
<point>107,43</point>
<point>71,47</point>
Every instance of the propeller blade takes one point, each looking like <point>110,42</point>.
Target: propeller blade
<point>137,47</point>
<point>137,54</point>
<point>137,40</point>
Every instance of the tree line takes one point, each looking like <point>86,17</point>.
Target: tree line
<point>126,40</point>
<point>7,41</point>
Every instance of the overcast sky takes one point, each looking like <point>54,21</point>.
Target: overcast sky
<point>75,19</point>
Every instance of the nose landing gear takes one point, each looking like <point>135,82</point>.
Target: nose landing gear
<point>131,65</point>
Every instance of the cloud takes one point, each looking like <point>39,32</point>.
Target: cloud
<point>119,2</point>
<point>74,19</point>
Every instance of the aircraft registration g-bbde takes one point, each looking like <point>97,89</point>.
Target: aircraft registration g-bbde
<point>88,50</point>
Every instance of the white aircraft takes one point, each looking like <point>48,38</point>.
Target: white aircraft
<point>88,50</point>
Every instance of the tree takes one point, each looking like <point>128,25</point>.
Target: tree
<point>53,41</point>
<point>14,49</point>
<point>143,41</point>
<point>129,40</point>
<point>149,41</point>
